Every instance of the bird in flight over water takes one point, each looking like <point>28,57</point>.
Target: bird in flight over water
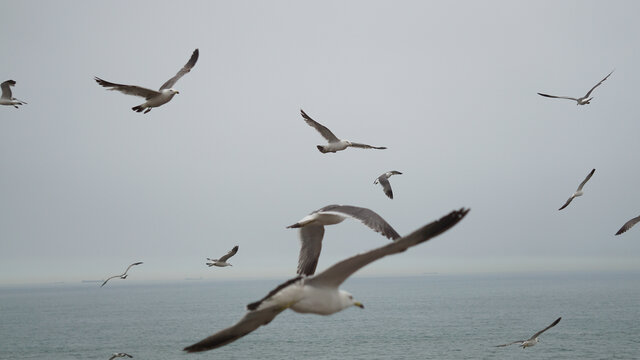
<point>222,262</point>
<point>123,275</point>
<point>534,339</point>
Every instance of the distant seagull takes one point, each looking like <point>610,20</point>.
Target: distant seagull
<point>319,294</point>
<point>384,181</point>
<point>154,98</point>
<point>119,355</point>
<point>534,339</point>
<point>628,225</point>
<point>579,191</point>
<point>123,275</point>
<point>335,144</point>
<point>582,100</point>
<point>222,262</point>
<point>312,231</point>
<point>6,98</point>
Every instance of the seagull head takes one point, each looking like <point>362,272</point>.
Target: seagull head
<point>172,91</point>
<point>348,300</point>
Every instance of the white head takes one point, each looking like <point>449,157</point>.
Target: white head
<point>347,300</point>
<point>172,91</point>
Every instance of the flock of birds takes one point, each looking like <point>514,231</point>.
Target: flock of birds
<point>308,292</point>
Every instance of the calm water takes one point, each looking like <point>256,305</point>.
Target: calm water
<point>430,317</point>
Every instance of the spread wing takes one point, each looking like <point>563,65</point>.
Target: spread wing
<point>129,267</point>
<point>598,84</point>
<point>128,89</point>
<point>586,179</point>
<point>365,146</point>
<point>558,97</point>
<point>628,225</point>
<point>338,273</point>
<point>185,69</point>
<point>310,247</point>
<point>567,203</point>
<point>326,133</point>
<point>511,343</point>
<point>114,276</point>
<point>386,186</point>
<point>545,329</point>
<point>366,216</point>
<point>6,89</point>
<point>229,254</point>
<point>251,321</point>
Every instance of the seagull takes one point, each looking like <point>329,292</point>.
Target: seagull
<point>312,231</point>
<point>6,98</point>
<point>628,225</point>
<point>319,294</point>
<point>118,355</point>
<point>222,262</point>
<point>384,181</point>
<point>534,339</point>
<point>123,275</point>
<point>582,100</point>
<point>579,191</point>
<point>154,98</point>
<point>335,144</point>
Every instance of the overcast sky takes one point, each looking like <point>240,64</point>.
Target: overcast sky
<point>87,186</point>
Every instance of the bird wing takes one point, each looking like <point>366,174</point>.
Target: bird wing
<point>252,320</point>
<point>511,343</point>
<point>338,273</point>
<point>628,225</point>
<point>229,254</point>
<point>114,276</point>
<point>366,216</point>
<point>545,329</point>
<point>598,84</point>
<point>326,133</point>
<point>310,247</point>
<point>586,179</point>
<point>365,146</point>
<point>129,267</point>
<point>567,203</point>
<point>558,97</point>
<point>386,186</point>
<point>6,89</point>
<point>128,89</point>
<point>185,69</point>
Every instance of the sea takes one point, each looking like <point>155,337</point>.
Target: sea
<point>432,316</point>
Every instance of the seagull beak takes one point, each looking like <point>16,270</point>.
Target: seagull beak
<point>358,304</point>
<point>177,92</point>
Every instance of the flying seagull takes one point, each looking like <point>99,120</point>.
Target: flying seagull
<point>579,191</point>
<point>384,181</point>
<point>312,231</point>
<point>6,98</point>
<point>123,275</point>
<point>582,100</point>
<point>628,225</point>
<point>222,262</point>
<point>335,144</point>
<point>119,355</point>
<point>319,294</point>
<point>154,98</point>
<point>534,339</point>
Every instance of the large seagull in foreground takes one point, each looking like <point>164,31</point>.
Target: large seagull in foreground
<point>154,98</point>
<point>6,98</point>
<point>319,294</point>
<point>335,144</point>
<point>579,191</point>
<point>312,231</point>
<point>582,100</point>
<point>534,339</point>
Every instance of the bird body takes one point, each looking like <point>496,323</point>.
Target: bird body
<point>581,100</point>
<point>383,180</point>
<point>123,275</point>
<point>154,98</point>
<point>534,339</point>
<point>119,355</point>
<point>222,262</point>
<point>579,191</point>
<point>7,98</point>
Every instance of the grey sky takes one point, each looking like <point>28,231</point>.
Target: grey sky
<point>89,186</point>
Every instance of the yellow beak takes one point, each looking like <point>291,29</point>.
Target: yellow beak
<point>358,304</point>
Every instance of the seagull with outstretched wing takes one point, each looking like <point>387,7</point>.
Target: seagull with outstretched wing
<point>534,339</point>
<point>7,98</point>
<point>581,100</point>
<point>334,144</point>
<point>383,180</point>
<point>578,192</point>
<point>154,98</point>
<point>123,275</point>
<point>119,355</point>
<point>222,262</point>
